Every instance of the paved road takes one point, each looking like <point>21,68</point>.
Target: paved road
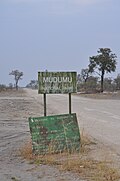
<point>99,118</point>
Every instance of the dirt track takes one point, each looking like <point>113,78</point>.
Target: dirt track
<point>15,108</point>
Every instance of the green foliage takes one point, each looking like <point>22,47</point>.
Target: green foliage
<point>104,62</point>
<point>2,87</point>
<point>17,76</point>
<point>90,86</point>
<point>33,84</point>
<point>85,74</point>
<point>117,82</point>
<point>109,84</point>
<point>10,86</point>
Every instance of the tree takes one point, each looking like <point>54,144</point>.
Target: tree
<point>105,62</point>
<point>33,84</point>
<point>10,85</point>
<point>92,84</point>
<point>85,74</point>
<point>2,87</point>
<point>108,84</point>
<point>17,75</point>
<point>117,82</point>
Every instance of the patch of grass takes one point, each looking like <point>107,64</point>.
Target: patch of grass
<point>26,151</point>
<point>107,95</point>
<point>14,179</point>
<point>104,172</point>
<point>86,142</point>
<point>89,169</point>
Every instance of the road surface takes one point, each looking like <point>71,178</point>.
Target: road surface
<point>99,118</point>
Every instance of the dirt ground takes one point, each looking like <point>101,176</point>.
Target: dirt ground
<point>15,109</point>
<point>104,95</point>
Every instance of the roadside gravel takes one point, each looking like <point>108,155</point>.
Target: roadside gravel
<point>15,109</point>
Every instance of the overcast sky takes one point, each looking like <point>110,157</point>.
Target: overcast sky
<point>57,35</point>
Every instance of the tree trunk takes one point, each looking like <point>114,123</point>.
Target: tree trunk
<point>16,85</point>
<point>102,80</point>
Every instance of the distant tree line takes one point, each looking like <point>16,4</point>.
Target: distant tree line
<point>17,76</point>
<point>33,84</point>
<point>4,87</point>
<point>92,78</point>
<point>93,84</point>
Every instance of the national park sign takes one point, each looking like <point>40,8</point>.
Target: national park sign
<point>57,82</point>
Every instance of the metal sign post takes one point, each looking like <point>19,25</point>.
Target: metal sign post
<point>45,111</point>
<point>57,83</point>
<point>56,133</point>
<point>69,103</point>
<point>45,104</point>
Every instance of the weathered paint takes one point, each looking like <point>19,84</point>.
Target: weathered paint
<point>57,82</point>
<point>53,134</point>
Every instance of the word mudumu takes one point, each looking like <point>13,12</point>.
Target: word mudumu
<point>57,79</point>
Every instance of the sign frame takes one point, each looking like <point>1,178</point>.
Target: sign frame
<point>57,82</point>
<point>55,134</point>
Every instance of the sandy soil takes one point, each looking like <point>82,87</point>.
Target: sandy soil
<point>105,95</point>
<point>15,109</point>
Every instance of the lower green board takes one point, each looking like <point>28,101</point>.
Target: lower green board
<point>54,134</point>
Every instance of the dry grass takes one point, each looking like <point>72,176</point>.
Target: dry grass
<point>14,179</point>
<point>92,170</point>
<point>80,163</point>
<point>107,95</point>
<point>86,142</point>
<point>26,151</point>
<point>13,93</point>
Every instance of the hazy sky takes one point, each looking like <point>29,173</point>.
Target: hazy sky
<point>57,35</point>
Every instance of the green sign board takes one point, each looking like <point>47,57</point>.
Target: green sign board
<point>57,82</point>
<point>54,134</point>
